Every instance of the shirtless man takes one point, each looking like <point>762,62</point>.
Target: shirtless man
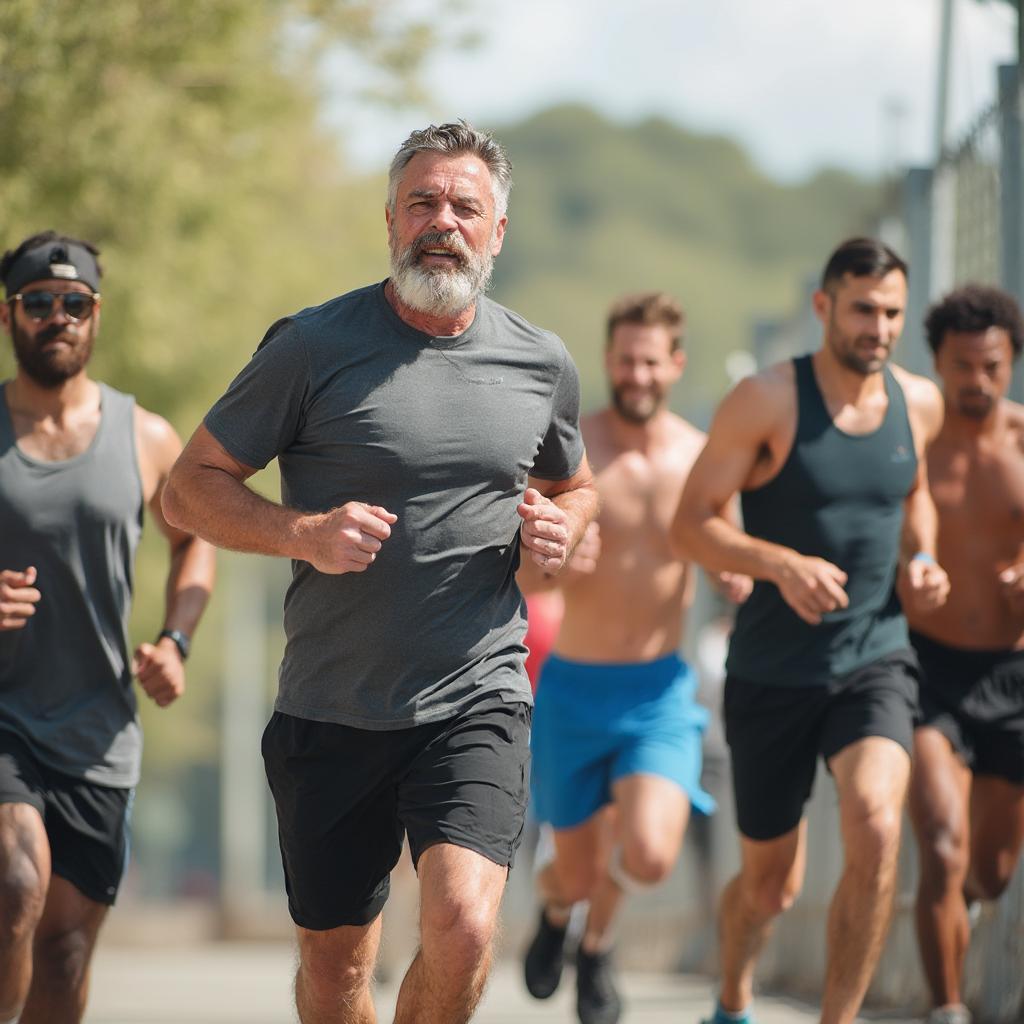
<point>967,793</point>
<point>827,453</point>
<point>616,733</point>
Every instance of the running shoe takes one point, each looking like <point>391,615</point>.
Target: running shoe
<point>720,1016</point>
<point>545,957</point>
<point>958,1014</point>
<point>597,998</point>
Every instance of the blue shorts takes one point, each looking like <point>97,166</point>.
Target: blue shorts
<point>596,723</point>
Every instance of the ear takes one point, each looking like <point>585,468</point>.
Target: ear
<point>821,303</point>
<point>679,362</point>
<point>499,235</point>
<point>5,316</point>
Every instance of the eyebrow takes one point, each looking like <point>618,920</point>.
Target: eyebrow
<point>433,193</point>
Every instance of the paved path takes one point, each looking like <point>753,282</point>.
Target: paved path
<point>240,983</point>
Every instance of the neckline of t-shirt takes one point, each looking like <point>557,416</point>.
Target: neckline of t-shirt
<point>421,337</point>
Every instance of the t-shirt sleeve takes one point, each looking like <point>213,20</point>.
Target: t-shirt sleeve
<point>561,450</point>
<point>262,410</point>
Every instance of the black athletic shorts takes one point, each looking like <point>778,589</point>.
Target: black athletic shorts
<point>776,733</point>
<point>86,824</point>
<point>347,797</point>
<point>976,700</point>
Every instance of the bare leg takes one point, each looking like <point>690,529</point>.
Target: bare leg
<point>332,984</point>
<point>460,893</point>
<point>771,874</point>
<point>652,813</point>
<point>62,953</point>
<point>997,834</point>
<point>581,860</point>
<point>871,778</point>
<point>24,880</point>
<point>939,801</point>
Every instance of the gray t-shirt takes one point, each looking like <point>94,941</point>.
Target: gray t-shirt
<point>358,406</point>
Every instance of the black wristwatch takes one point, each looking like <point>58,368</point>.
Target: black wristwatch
<point>181,641</point>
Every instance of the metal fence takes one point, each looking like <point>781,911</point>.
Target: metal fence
<point>962,219</point>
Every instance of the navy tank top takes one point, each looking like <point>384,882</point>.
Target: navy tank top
<point>840,497</point>
<point>65,679</point>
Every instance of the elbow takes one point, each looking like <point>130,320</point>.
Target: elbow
<point>172,505</point>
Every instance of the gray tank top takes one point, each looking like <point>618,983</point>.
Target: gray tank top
<point>65,679</point>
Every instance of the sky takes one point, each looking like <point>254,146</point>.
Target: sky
<point>801,83</point>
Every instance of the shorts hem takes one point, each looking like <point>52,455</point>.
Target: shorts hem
<point>360,918</point>
<point>464,842</point>
<point>106,899</point>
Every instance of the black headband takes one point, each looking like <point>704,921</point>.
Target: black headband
<point>63,261</point>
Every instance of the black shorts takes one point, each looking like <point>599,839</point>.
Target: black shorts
<point>86,824</point>
<point>776,734</point>
<point>976,700</point>
<point>347,797</point>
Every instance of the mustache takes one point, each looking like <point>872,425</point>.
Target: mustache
<point>51,332</point>
<point>449,240</point>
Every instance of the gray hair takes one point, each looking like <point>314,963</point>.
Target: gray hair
<point>453,138</point>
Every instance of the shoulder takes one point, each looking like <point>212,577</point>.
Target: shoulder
<point>1014,413</point>
<point>924,399</point>
<point>157,441</point>
<point>761,399</point>
<point>516,328</point>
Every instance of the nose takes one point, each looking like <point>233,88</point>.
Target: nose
<point>444,218</point>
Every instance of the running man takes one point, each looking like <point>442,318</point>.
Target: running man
<point>424,435</point>
<point>967,789</point>
<point>617,735</point>
<point>826,452</point>
<point>79,463</point>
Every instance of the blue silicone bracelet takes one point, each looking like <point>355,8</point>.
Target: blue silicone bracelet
<point>923,556</point>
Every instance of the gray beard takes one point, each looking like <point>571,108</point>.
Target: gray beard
<point>440,291</point>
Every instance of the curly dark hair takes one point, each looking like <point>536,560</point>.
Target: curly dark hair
<point>975,307</point>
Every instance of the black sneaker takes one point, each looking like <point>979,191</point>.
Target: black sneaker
<point>597,998</point>
<point>545,957</point>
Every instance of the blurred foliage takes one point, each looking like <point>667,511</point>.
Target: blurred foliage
<point>600,209</point>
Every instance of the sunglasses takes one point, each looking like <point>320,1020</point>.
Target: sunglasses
<point>41,305</point>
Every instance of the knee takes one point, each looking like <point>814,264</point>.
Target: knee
<point>872,839</point>
<point>645,863</point>
<point>324,970</point>
<point>463,929</point>
<point>767,896</point>
<point>22,898</point>
<point>989,880</point>
<point>944,852</point>
<point>63,959</point>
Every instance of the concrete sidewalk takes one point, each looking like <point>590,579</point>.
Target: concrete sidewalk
<point>238,983</point>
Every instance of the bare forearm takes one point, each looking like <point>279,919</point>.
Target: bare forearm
<point>920,526</point>
<point>189,582</point>
<point>217,507</point>
<point>719,546</point>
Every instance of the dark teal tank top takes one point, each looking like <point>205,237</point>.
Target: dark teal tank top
<point>65,679</point>
<point>838,496</point>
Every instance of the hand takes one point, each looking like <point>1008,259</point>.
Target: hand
<point>18,597</point>
<point>1011,582</point>
<point>587,552</point>
<point>734,586</point>
<point>812,587</point>
<point>346,539</point>
<point>545,530</point>
<point>160,671</point>
<point>927,585</point>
